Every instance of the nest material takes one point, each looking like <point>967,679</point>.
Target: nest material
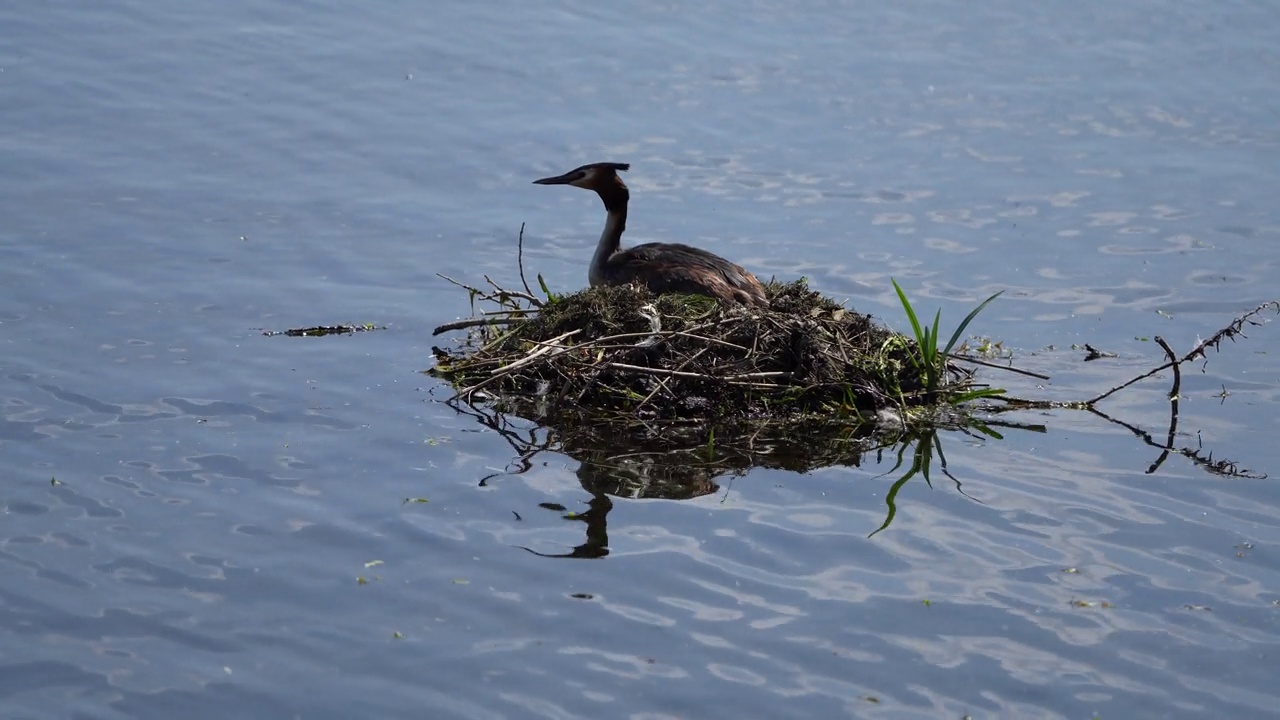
<point>621,350</point>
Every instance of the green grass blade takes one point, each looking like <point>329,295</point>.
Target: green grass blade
<point>552,298</point>
<point>974,395</point>
<point>985,430</point>
<point>911,313</point>
<point>931,355</point>
<point>968,319</point>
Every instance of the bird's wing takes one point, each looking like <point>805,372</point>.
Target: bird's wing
<point>674,267</point>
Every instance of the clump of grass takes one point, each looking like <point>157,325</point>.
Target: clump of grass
<point>941,380</point>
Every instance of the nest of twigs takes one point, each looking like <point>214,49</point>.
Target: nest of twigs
<point>619,350</point>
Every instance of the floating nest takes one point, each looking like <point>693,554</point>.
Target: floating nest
<point>619,352</point>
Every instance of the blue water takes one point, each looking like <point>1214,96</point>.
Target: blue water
<point>227,534</point>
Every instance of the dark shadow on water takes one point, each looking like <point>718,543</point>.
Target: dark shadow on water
<point>680,462</point>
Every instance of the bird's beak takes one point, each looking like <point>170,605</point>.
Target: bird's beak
<point>564,179</point>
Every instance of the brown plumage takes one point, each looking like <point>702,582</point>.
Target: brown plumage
<point>662,267</point>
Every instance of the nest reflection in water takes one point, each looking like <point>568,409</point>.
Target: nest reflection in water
<point>680,462</point>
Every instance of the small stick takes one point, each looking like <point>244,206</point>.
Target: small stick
<point>661,333</point>
<point>659,371</point>
<point>1229,331</point>
<point>501,372</point>
<point>1173,406</point>
<point>502,337</point>
<point>993,366</point>
<point>462,285</point>
<point>512,293</point>
<point>662,384</point>
<point>769,374</point>
<point>520,259</point>
<point>701,376</point>
<point>491,296</point>
<point>544,347</point>
<point>1177,372</point>
<point>475,322</point>
<point>555,341</point>
<point>595,344</point>
<point>537,353</point>
<point>708,339</point>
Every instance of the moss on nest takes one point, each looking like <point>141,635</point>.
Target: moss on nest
<point>619,350</point>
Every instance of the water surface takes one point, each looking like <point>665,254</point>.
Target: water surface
<point>176,179</point>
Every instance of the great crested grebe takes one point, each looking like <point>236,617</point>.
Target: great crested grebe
<point>663,267</point>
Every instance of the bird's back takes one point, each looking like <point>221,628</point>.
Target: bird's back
<point>674,267</point>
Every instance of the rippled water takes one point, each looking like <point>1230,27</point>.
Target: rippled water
<point>227,533</point>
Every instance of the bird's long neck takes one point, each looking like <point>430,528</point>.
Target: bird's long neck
<point>615,204</point>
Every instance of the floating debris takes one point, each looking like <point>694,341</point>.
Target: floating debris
<point>322,330</point>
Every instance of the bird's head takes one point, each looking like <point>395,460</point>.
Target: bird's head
<point>601,177</point>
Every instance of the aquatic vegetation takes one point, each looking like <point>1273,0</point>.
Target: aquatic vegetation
<point>933,362</point>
